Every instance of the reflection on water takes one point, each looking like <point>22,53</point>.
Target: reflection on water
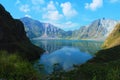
<point>84,46</point>
<point>66,57</point>
<point>66,52</point>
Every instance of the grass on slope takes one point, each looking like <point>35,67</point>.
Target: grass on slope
<point>12,67</point>
<point>105,66</point>
<point>113,39</point>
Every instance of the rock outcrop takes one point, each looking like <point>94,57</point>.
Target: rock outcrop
<point>97,30</point>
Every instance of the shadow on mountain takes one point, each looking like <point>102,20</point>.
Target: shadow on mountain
<point>13,37</point>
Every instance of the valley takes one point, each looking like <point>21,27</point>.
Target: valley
<point>44,40</point>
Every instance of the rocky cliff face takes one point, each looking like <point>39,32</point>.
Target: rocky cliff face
<point>114,38</point>
<point>37,29</point>
<point>97,30</point>
<point>13,37</point>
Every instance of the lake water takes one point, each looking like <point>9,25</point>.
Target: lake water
<point>66,53</point>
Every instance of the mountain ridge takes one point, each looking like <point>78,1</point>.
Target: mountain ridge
<point>41,30</point>
<point>97,30</point>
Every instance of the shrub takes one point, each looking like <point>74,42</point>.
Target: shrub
<point>12,67</point>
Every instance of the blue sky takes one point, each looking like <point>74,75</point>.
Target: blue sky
<point>66,14</point>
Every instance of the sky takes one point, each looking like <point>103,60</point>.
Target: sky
<point>65,14</point>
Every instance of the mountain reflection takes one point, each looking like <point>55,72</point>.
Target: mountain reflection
<point>65,57</point>
<point>84,46</point>
<point>66,53</point>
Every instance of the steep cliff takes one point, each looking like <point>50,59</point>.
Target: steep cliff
<point>97,30</point>
<point>13,37</point>
<point>37,29</point>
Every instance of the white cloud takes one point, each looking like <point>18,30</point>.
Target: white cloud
<point>37,5</point>
<point>56,3</point>
<point>24,8</point>
<point>94,5</point>
<point>114,1</point>
<point>66,25</point>
<point>52,15</point>
<point>69,25</point>
<point>17,2</point>
<point>68,10</point>
<point>51,12</point>
<point>27,16</point>
<point>50,6</point>
<point>36,2</point>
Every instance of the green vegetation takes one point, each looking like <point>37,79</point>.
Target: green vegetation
<point>12,67</point>
<point>13,37</point>
<point>17,50</point>
<point>27,50</point>
<point>114,38</point>
<point>105,66</point>
<point>100,71</point>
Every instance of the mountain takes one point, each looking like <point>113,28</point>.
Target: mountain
<point>13,37</point>
<point>97,30</point>
<point>105,63</point>
<point>114,38</point>
<point>37,29</point>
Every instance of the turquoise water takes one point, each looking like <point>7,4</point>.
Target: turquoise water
<point>66,53</point>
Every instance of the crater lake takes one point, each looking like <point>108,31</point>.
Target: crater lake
<point>65,53</point>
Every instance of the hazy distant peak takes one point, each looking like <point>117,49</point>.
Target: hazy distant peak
<point>27,17</point>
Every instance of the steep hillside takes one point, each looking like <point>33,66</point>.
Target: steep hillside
<point>31,27</point>
<point>97,30</point>
<point>37,29</point>
<point>105,65</point>
<point>13,37</point>
<point>114,38</point>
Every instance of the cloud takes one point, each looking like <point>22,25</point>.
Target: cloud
<point>51,12</point>
<point>52,15</point>
<point>50,6</point>
<point>69,25</point>
<point>94,5</point>
<point>68,10</point>
<point>17,2</point>
<point>27,16</point>
<point>114,1</point>
<point>65,25</point>
<point>36,2</point>
<point>24,8</point>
